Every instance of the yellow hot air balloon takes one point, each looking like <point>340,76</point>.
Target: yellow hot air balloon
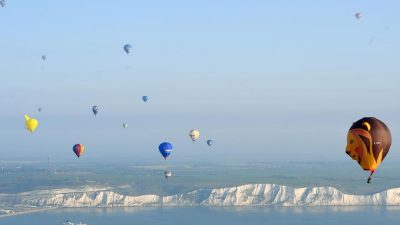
<point>31,124</point>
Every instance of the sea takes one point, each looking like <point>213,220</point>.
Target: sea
<point>212,216</point>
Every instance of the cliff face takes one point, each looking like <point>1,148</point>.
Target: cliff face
<point>245,195</point>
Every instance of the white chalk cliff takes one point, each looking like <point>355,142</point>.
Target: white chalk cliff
<point>245,195</point>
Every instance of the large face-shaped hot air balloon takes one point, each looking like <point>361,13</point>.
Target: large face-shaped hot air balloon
<point>78,149</point>
<point>31,124</point>
<point>165,149</point>
<point>368,142</point>
<point>194,135</point>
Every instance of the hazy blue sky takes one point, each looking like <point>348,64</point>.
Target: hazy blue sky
<point>267,80</point>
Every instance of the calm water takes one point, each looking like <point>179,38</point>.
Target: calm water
<point>218,216</point>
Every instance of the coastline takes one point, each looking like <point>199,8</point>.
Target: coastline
<point>342,208</point>
<point>29,211</point>
<point>249,195</point>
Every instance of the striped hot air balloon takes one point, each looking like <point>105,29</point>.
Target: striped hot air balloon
<point>78,149</point>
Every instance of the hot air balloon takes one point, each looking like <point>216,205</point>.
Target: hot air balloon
<point>165,149</point>
<point>78,149</point>
<point>3,3</point>
<point>210,142</point>
<point>44,57</point>
<point>31,124</point>
<point>125,125</point>
<point>358,15</point>
<point>145,98</point>
<point>368,143</point>
<point>127,48</point>
<point>95,110</point>
<point>167,174</point>
<point>40,109</point>
<point>194,135</point>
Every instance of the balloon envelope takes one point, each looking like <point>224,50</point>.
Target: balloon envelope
<point>78,149</point>
<point>125,125</point>
<point>44,57</point>
<point>165,149</point>
<point>127,48</point>
<point>167,174</point>
<point>95,109</point>
<point>3,3</point>
<point>358,15</point>
<point>145,98</point>
<point>194,135</point>
<point>368,142</point>
<point>31,124</point>
<point>210,142</point>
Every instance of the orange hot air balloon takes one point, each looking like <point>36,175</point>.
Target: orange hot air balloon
<point>368,143</point>
<point>78,149</point>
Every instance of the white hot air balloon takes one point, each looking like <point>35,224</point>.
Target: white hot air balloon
<point>194,135</point>
<point>167,174</point>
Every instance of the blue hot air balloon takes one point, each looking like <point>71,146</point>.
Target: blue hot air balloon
<point>165,149</point>
<point>145,98</point>
<point>95,109</point>
<point>127,48</point>
<point>210,142</point>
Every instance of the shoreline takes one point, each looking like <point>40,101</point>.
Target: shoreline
<point>336,208</point>
<point>27,212</point>
<point>244,196</point>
